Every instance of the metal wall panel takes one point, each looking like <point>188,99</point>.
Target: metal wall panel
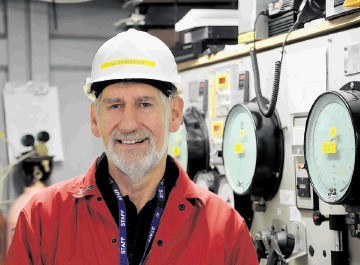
<point>319,237</point>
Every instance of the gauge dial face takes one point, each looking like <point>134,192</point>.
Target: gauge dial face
<point>203,183</point>
<point>178,146</point>
<point>224,191</point>
<point>206,179</point>
<point>239,149</point>
<point>330,147</point>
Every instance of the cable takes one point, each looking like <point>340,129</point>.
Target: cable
<point>267,111</point>
<point>284,43</point>
<point>53,4</point>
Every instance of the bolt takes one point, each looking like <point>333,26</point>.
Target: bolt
<point>345,49</point>
<point>330,40</point>
<point>345,71</point>
<point>352,85</point>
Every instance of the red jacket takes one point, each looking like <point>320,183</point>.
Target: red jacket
<point>70,224</point>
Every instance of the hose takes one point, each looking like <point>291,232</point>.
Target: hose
<point>266,111</point>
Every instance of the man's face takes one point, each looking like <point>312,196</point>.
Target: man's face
<point>133,121</point>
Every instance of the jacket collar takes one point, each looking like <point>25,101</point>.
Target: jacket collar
<point>187,187</point>
<point>86,184</point>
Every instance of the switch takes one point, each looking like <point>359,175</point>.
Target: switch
<point>303,187</point>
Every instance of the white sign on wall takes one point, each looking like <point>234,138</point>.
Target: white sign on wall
<point>307,78</point>
<point>30,108</point>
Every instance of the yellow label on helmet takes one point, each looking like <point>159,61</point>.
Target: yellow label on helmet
<point>128,61</point>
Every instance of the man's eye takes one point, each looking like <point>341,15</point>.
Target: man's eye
<point>114,106</point>
<point>145,104</point>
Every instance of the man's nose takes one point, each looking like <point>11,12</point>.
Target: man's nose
<point>129,120</point>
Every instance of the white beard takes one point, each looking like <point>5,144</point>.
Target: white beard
<point>135,163</point>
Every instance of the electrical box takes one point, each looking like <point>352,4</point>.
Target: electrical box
<point>305,197</point>
<point>242,93</point>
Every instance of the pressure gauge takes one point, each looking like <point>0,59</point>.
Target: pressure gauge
<point>242,204</point>
<point>178,146</point>
<point>331,145</point>
<point>198,141</point>
<point>224,190</point>
<point>206,179</point>
<point>253,151</point>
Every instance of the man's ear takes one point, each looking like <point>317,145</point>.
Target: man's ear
<point>177,106</point>
<point>94,123</point>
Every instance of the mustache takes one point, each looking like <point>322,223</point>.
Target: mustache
<point>116,134</point>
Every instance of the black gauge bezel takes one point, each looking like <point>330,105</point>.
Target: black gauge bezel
<point>269,149</point>
<point>195,163</point>
<point>349,94</point>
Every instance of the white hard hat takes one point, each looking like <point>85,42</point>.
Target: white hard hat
<point>132,55</point>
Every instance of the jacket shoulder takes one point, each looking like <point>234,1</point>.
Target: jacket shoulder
<point>53,196</point>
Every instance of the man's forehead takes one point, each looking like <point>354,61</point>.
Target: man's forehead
<point>129,88</point>
<point>119,99</point>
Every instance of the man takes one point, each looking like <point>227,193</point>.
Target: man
<point>135,205</point>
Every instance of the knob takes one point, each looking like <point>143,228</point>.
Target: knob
<point>43,136</point>
<point>318,218</point>
<point>27,140</point>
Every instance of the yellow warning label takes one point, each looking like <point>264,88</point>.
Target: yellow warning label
<point>222,81</point>
<point>2,134</point>
<point>332,132</point>
<point>351,3</point>
<point>128,62</point>
<point>239,148</point>
<point>176,151</point>
<point>328,147</point>
<point>217,128</point>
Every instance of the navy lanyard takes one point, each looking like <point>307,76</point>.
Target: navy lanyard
<point>122,220</point>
